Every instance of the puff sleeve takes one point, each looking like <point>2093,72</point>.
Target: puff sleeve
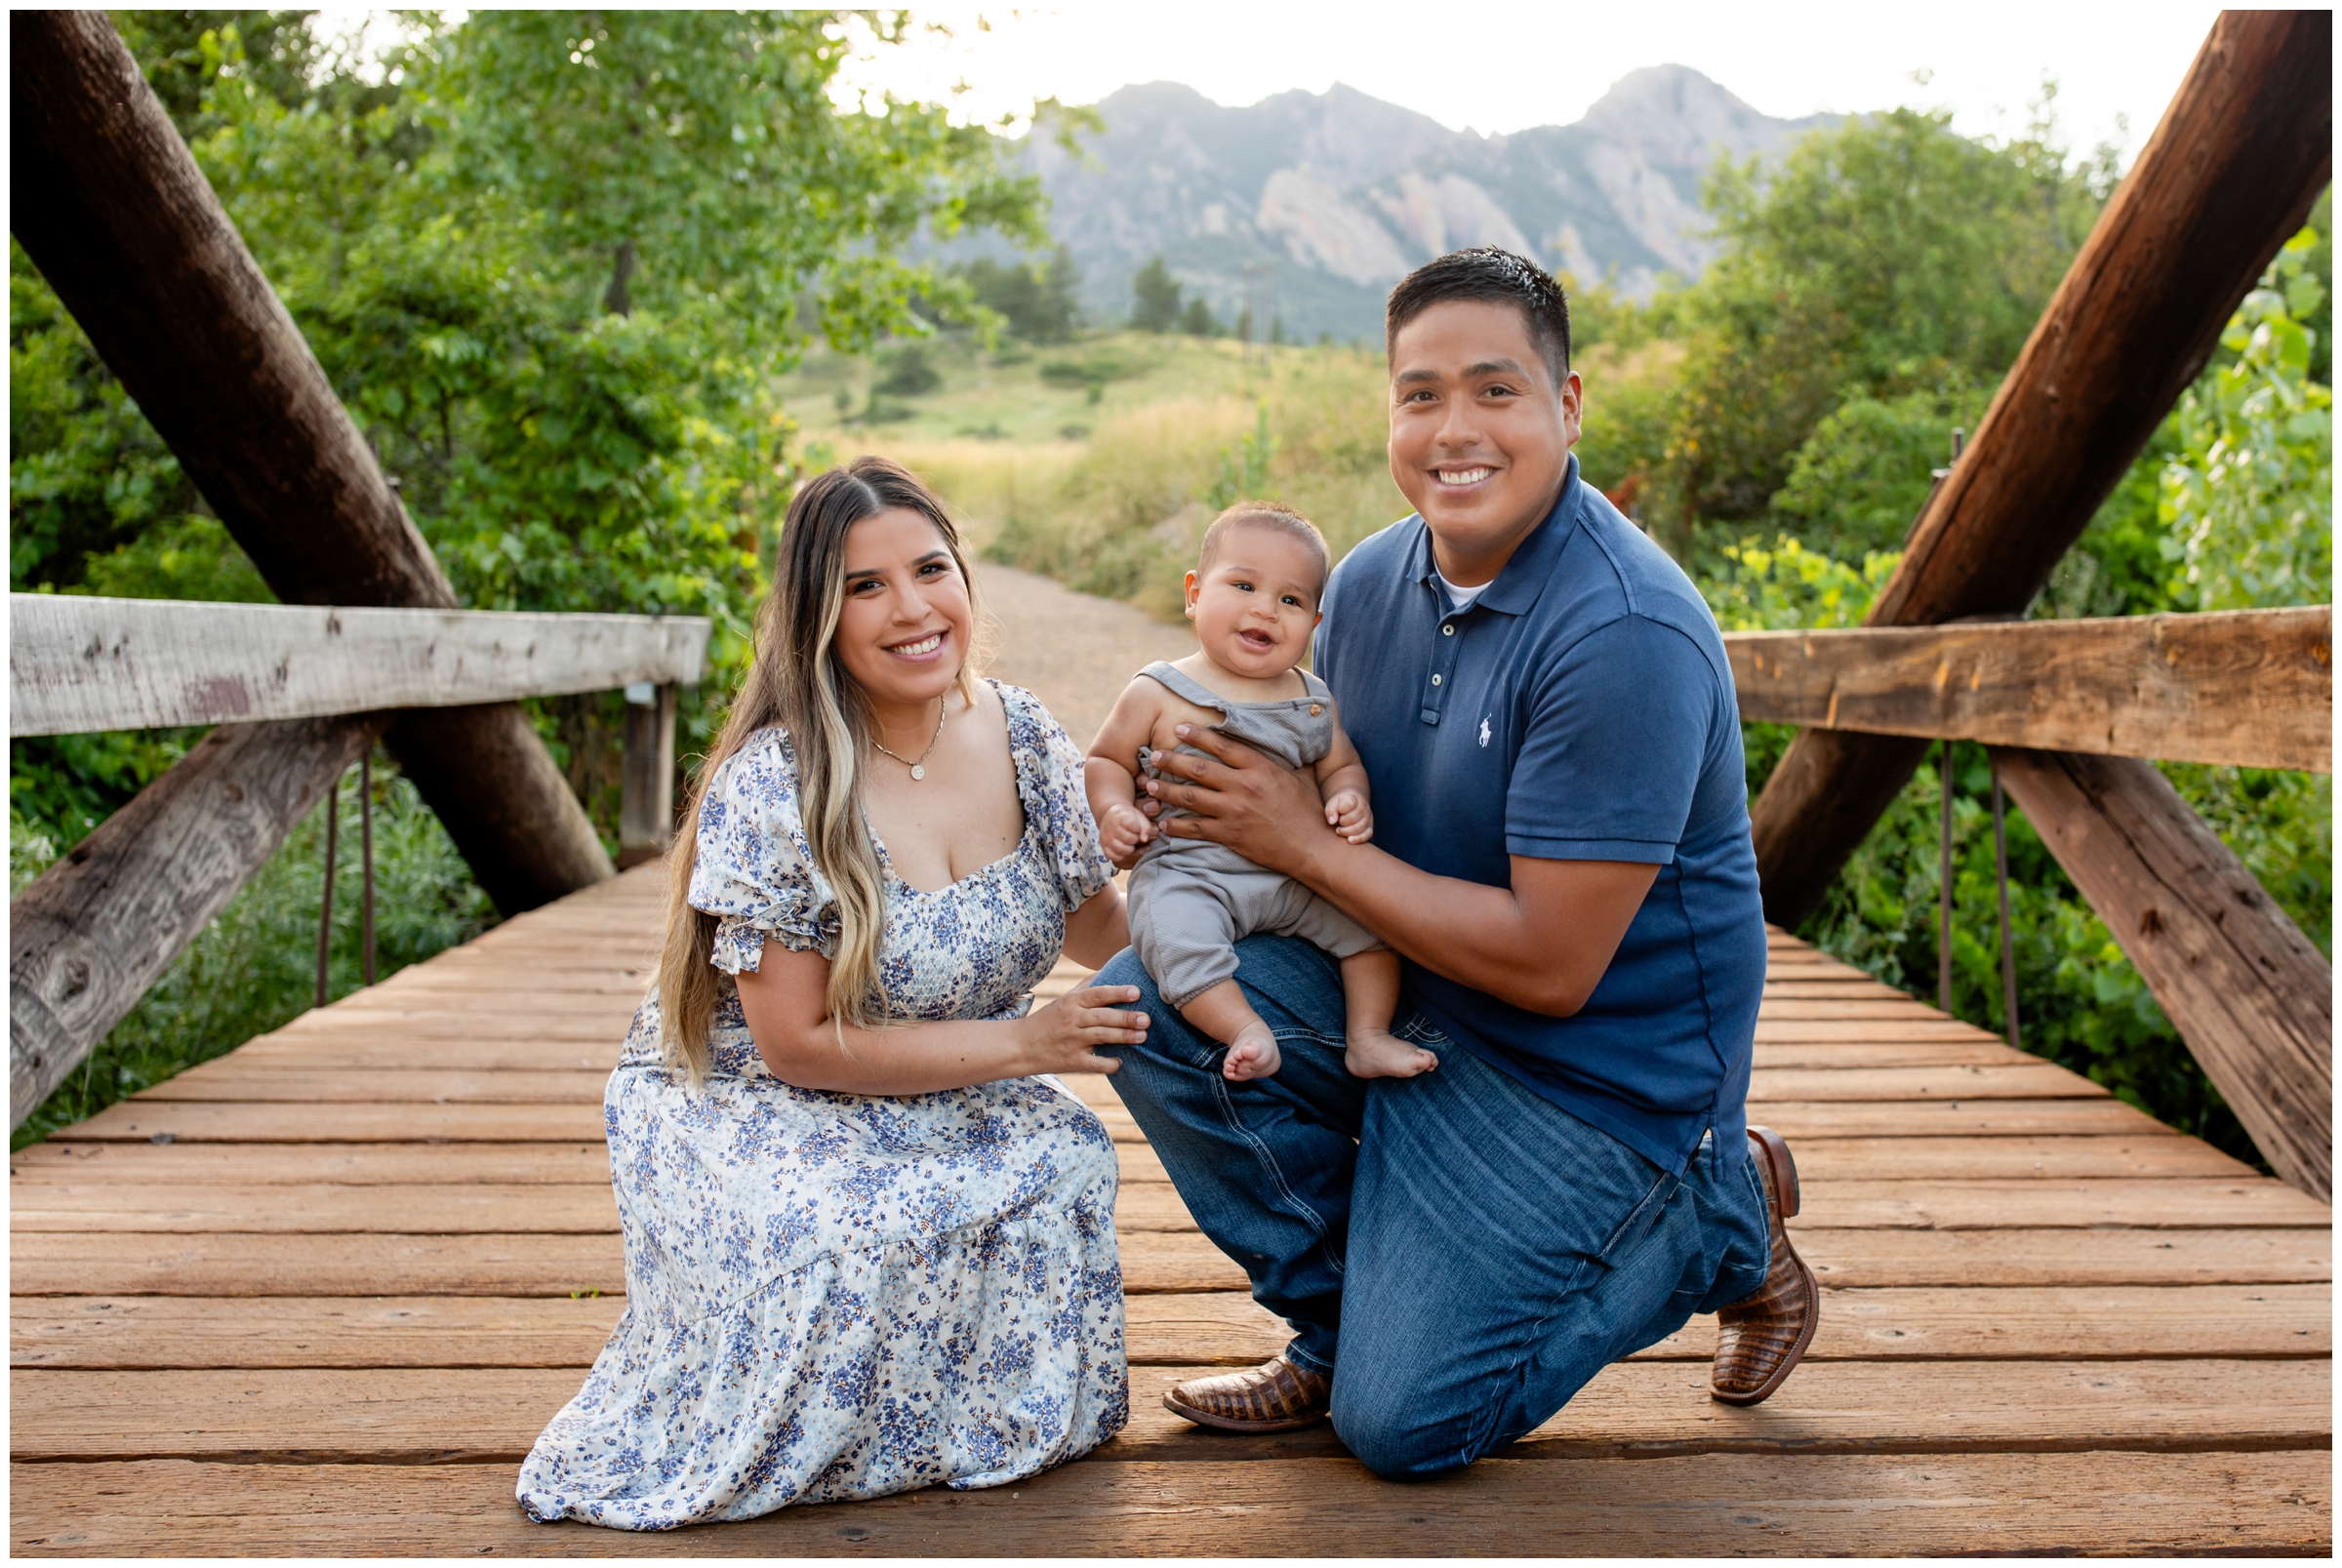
<point>1056,805</point>
<point>753,869</point>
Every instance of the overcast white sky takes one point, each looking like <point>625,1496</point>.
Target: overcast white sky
<point>1504,68</point>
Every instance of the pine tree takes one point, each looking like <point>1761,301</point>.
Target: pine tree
<point>1157,296</point>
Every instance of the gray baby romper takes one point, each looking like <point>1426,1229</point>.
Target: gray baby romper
<point>1191,899</point>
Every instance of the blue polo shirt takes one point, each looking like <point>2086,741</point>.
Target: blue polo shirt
<point>1581,709</point>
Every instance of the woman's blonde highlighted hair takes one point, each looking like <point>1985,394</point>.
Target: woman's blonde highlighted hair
<point>795,682</point>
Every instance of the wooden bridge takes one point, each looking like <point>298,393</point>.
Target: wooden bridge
<point>319,1297</point>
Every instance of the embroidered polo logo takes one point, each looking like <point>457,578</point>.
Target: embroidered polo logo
<point>1484,729</point>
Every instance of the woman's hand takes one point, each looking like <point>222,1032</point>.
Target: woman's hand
<point>1266,812</point>
<point>1065,1035</point>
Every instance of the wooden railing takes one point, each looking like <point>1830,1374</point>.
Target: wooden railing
<point>2064,708</point>
<point>296,693</point>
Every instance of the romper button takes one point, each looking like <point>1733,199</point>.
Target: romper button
<point>1435,680</point>
<point>1316,708</point>
<point>1448,631</point>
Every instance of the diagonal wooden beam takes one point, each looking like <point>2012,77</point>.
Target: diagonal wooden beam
<point>2251,995</point>
<point>111,206</point>
<point>88,937</point>
<point>2228,177</point>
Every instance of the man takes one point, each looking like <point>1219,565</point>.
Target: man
<point>1562,858</point>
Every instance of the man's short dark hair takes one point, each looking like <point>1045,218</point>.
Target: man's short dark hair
<point>1487,272</point>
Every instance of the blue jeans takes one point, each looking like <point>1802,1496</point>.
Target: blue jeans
<point>1458,1252</point>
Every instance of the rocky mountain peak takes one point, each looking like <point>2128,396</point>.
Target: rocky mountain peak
<point>1339,193</point>
<point>1675,117</point>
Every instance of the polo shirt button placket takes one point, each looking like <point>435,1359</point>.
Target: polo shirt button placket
<point>1436,698</point>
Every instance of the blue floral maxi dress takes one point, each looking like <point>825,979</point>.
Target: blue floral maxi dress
<point>835,1295</point>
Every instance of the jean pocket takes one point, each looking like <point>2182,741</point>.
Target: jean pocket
<point>1638,1221</point>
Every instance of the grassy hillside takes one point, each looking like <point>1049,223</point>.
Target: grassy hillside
<point>1099,462</point>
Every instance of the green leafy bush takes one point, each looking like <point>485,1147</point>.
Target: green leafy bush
<point>2248,497</point>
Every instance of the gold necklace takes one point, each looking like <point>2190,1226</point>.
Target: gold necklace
<point>917,768</point>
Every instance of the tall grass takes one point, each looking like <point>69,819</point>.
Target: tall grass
<point>981,482</point>
<point>1120,512</point>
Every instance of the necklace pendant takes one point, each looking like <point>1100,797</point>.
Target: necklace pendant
<point>917,772</point>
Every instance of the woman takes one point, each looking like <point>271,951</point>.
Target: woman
<point>869,1247</point>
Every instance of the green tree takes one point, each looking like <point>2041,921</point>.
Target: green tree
<point>1859,480</point>
<point>2248,495</point>
<point>1036,298</point>
<point>693,161</point>
<point>1156,297</point>
<point>907,372</point>
<point>1886,257</point>
<point>447,231</point>
<point>1197,320</point>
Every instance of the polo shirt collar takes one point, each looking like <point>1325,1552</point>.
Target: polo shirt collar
<point>1518,587</point>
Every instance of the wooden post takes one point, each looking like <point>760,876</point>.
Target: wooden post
<point>98,927</point>
<point>2249,993</point>
<point>109,204</point>
<point>646,814</point>
<point>2228,177</point>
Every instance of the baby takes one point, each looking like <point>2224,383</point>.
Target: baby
<point>1253,597</point>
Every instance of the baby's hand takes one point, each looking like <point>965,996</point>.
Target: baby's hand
<point>1350,815</point>
<point>1122,831</point>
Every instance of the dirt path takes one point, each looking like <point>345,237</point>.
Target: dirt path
<point>1074,651</point>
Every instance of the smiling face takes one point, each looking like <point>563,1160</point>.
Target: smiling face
<point>906,624</point>
<point>1255,602</point>
<point>1480,433</point>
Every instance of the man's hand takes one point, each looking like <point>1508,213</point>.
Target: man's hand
<point>1121,829</point>
<point>1266,812</point>
<point>1349,814</point>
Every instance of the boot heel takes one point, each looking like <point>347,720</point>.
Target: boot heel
<point>1781,1165</point>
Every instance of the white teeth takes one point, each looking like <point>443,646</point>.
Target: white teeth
<point>1462,476</point>
<point>925,645</point>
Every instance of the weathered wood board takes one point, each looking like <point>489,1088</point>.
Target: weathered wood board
<point>378,1256</point>
<point>2019,1504</point>
<point>2251,995</point>
<point>2252,688</point>
<point>77,665</point>
<point>90,933</point>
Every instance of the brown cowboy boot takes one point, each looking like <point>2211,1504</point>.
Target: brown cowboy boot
<point>1760,1340</point>
<point>1272,1397</point>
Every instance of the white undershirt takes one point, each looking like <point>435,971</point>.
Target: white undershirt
<point>1460,598</point>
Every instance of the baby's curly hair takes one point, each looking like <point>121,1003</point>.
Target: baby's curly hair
<point>1271,515</point>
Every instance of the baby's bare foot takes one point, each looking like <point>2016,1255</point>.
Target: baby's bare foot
<point>1380,1054</point>
<point>1254,1055</point>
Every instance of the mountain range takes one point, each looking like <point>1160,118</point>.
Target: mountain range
<point>1342,194</point>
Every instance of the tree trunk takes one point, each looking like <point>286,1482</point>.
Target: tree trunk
<point>2228,178</point>
<point>617,301</point>
<point>109,204</point>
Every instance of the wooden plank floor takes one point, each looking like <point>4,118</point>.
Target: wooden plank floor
<point>320,1295</point>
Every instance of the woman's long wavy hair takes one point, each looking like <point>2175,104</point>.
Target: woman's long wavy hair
<point>797,682</point>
